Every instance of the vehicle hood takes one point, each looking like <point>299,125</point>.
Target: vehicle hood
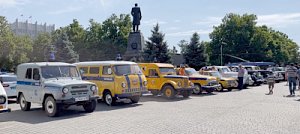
<point>227,78</point>
<point>230,74</point>
<point>65,82</point>
<point>202,76</point>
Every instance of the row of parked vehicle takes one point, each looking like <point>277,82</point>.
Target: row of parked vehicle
<point>57,85</point>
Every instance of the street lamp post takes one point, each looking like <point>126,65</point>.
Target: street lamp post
<point>221,53</point>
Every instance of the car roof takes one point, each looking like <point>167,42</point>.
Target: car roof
<point>46,64</point>
<point>95,63</point>
<point>161,64</point>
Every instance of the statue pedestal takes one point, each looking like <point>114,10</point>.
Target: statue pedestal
<point>135,47</point>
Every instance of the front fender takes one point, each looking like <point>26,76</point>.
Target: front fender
<point>173,83</point>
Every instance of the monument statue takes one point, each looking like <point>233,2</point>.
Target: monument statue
<point>137,16</point>
<point>136,42</point>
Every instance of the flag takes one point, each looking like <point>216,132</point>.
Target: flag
<point>22,15</point>
<point>30,17</point>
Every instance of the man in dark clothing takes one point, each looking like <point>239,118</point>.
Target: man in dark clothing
<point>241,74</point>
<point>137,16</point>
<point>292,75</point>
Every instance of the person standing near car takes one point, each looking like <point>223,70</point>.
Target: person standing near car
<point>298,77</point>
<point>271,82</point>
<point>241,73</point>
<point>292,76</point>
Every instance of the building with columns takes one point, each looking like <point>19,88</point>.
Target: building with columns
<point>30,29</point>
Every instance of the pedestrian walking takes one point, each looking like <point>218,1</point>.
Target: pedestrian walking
<point>271,83</point>
<point>241,73</point>
<point>298,77</point>
<point>292,76</point>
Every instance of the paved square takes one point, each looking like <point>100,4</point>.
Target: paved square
<point>248,111</point>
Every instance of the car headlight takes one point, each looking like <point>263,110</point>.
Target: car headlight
<point>93,88</point>
<point>2,99</point>
<point>123,84</point>
<point>179,84</point>
<point>145,83</point>
<point>65,90</point>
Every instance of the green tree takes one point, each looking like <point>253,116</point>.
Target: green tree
<point>156,47</point>
<point>194,54</point>
<point>64,48</point>
<point>41,47</point>
<point>239,36</point>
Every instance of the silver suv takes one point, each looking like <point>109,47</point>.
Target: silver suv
<point>55,85</point>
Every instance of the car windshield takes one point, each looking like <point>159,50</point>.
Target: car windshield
<point>167,70</point>
<point>127,69</point>
<point>216,74</point>
<point>59,71</point>
<point>225,69</point>
<point>191,71</point>
<point>8,78</point>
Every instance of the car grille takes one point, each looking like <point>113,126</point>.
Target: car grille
<point>79,92</point>
<point>186,83</point>
<point>79,87</point>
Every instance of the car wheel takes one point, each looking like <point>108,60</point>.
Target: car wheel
<point>90,106</point>
<point>52,109</point>
<point>197,89</point>
<point>169,92</point>
<point>25,106</point>
<point>134,99</point>
<point>108,99</point>
<point>220,89</point>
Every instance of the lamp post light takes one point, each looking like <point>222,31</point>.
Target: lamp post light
<point>221,49</point>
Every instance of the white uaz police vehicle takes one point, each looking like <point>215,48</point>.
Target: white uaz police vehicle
<point>55,85</point>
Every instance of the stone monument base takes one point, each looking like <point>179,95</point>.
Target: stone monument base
<point>135,47</point>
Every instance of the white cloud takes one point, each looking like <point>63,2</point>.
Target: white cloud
<point>279,20</point>
<point>66,10</point>
<point>189,33</point>
<point>153,22</point>
<point>209,21</point>
<point>12,3</point>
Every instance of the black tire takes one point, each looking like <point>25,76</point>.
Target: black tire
<point>25,106</point>
<point>134,99</point>
<point>186,94</point>
<point>221,89</point>
<point>109,99</point>
<point>90,106</point>
<point>197,89</point>
<point>52,109</point>
<point>169,92</point>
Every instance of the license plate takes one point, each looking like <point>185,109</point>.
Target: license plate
<point>1,107</point>
<point>81,99</point>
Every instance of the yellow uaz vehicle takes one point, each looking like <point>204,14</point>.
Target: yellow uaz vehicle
<point>162,78</point>
<point>202,82</point>
<point>226,82</point>
<point>116,80</point>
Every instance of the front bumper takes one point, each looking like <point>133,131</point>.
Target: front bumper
<point>183,90</point>
<point>72,101</point>
<point>211,88</point>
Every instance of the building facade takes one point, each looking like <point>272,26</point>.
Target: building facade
<point>30,29</point>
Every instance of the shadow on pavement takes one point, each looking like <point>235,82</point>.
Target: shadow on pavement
<point>147,98</point>
<point>36,115</point>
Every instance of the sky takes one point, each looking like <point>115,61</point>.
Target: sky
<point>178,19</point>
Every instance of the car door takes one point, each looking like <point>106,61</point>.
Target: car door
<point>26,85</point>
<point>153,79</point>
<point>38,91</point>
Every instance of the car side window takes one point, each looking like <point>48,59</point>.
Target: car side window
<point>36,74</point>
<point>94,70</point>
<point>28,74</point>
<point>106,70</point>
<point>83,70</point>
<point>153,73</point>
